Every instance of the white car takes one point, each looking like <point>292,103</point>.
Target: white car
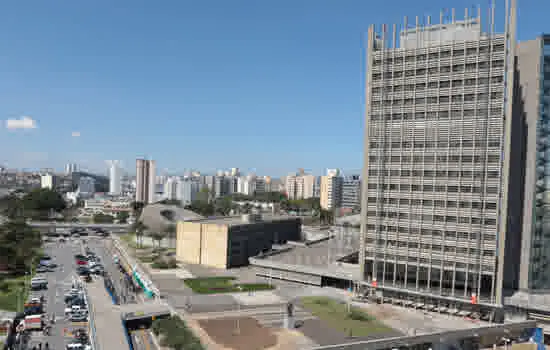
<point>78,346</point>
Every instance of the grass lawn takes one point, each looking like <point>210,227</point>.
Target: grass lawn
<point>356,323</point>
<point>213,285</point>
<point>12,291</point>
<point>146,258</point>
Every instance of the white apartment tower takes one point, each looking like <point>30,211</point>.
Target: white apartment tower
<point>331,190</point>
<point>145,180</point>
<point>437,155</point>
<point>115,178</point>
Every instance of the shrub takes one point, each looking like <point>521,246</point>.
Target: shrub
<point>358,315</point>
<point>175,334</point>
<point>164,263</point>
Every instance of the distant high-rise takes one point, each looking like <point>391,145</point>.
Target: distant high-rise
<point>331,190</point>
<point>145,180</point>
<point>48,181</point>
<point>115,178</point>
<point>300,186</point>
<point>70,168</point>
<point>351,193</point>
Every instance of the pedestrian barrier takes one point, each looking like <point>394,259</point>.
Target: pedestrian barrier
<point>91,323</point>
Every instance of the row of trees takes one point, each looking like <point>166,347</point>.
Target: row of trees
<point>19,246</point>
<point>141,230</point>
<point>38,204</point>
<point>121,217</point>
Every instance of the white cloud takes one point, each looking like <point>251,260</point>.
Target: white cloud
<point>21,123</point>
<point>75,134</point>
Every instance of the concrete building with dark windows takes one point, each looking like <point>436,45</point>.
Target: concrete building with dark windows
<point>533,105</point>
<point>440,195</point>
<point>351,193</point>
<point>229,241</point>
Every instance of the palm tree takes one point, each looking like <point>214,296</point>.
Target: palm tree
<point>171,231</point>
<point>139,229</point>
<point>158,237</point>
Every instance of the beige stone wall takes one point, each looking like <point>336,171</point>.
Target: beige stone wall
<point>204,244</point>
<point>188,245</point>
<point>214,245</point>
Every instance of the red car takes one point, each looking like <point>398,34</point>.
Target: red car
<point>81,262</point>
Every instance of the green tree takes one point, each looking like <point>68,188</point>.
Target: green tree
<point>137,208</point>
<point>203,195</point>
<point>100,218</point>
<point>171,232</point>
<point>41,203</point>
<point>203,208</point>
<point>122,216</point>
<point>139,228</point>
<point>158,237</point>
<point>19,245</point>
<point>222,206</point>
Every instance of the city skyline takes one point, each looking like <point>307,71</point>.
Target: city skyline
<point>301,84</point>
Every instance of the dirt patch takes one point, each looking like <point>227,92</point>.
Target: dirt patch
<point>252,335</point>
<point>382,312</point>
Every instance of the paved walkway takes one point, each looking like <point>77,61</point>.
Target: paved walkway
<point>109,330</point>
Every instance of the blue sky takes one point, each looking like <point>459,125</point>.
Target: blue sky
<point>268,86</point>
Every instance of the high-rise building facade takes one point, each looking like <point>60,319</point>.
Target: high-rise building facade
<point>435,197</point>
<point>331,190</point>
<point>300,186</point>
<point>70,168</point>
<point>48,181</point>
<point>115,178</point>
<point>145,180</point>
<point>533,65</point>
<point>86,186</point>
<point>189,191</point>
<point>351,193</point>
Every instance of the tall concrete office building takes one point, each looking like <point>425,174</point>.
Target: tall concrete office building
<point>145,180</point>
<point>533,104</point>
<point>437,209</point>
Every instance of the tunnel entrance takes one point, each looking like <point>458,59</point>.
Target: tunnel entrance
<point>133,322</point>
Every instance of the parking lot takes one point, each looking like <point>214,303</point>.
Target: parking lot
<point>56,313</point>
<point>60,279</point>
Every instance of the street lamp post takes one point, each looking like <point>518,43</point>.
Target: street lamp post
<point>237,319</point>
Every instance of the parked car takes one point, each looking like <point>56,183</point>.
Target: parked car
<point>78,317</point>
<point>38,283</point>
<point>42,269</point>
<point>77,345</point>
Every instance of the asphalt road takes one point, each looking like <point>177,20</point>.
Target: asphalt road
<point>98,246</point>
<point>59,282</point>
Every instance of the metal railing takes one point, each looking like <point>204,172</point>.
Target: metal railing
<point>91,322</point>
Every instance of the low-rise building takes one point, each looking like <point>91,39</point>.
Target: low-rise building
<point>227,242</point>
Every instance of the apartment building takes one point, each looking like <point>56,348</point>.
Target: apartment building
<point>189,190</point>
<point>438,157</point>
<point>145,181</point>
<point>48,181</point>
<point>300,186</point>
<point>331,190</point>
<point>351,193</point>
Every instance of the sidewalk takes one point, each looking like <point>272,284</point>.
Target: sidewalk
<point>109,331</point>
<point>191,323</point>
